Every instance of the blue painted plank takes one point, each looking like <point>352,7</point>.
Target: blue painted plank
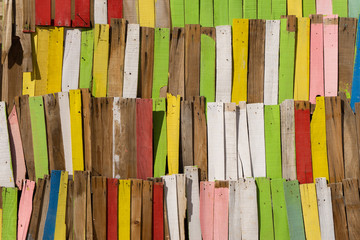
<point>355,90</point>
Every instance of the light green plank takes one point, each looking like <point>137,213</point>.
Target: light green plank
<point>308,8</point>
<point>160,147</point>
<point>235,10</point>
<point>206,13</point>
<point>287,62</point>
<point>250,10</point>
<point>86,58</point>
<point>161,60</point>
<point>278,8</point>
<point>266,229</point>
<point>38,127</point>
<point>281,228</point>
<point>221,12</point>
<point>340,7</point>
<point>264,9</point>
<point>354,8</point>
<point>9,220</point>
<point>177,9</point>
<point>192,12</point>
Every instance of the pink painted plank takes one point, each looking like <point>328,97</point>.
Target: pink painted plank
<point>207,190</point>
<point>316,58</point>
<point>324,7</point>
<point>331,55</point>
<point>221,213</point>
<point>17,153</point>
<point>25,209</point>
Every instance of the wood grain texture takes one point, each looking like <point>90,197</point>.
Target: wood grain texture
<point>86,58</point>
<point>162,14</point>
<point>200,136</point>
<point>45,207</point>
<point>131,11</point>
<point>177,63</point>
<point>158,211</point>
<point>171,204</point>
<point>136,207</point>
<point>234,215</point>
<point>62,13</point>
<point>98,188</point>
<point>159,135</point>
<point>230,135</point>
<point>146,62</point>
<point>79,202</point>
<point>355,95</point>
<point>146,11</point>
<point>100,12</point>
<point>81,11</point>
<point>100,62</point>
<point>86,119</point>
<point>69,210</point>
<point>352,203</point>
<point>338,206</point>
<point>36,210</point>
<point>114,10</point>
<point>29,16</point>
<point>187,139</point>
<point>181,201</point>
<point>147,210</point>
<point>243,148</point>
<point>281,227</point>
<point>112,208</point>
<point>60,226</point>
<point>250,228</point>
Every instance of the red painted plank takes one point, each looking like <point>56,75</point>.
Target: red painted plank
<point>82,13</point>
<point>207,190</point>
<point>302,142</point>
<point>62,13</point>
<point>115,9</point>
<point>158,211</point>
<point>112,203</point>
<point>43,12</point>
<point>144,124</point>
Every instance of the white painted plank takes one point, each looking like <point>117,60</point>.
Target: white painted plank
<point>271,77</point>
<point>171,205</point>
<point>116,139</point>
<point>100,11</point>
<point>248,209</point>
<point>71,61</point>
<point>234,210</point>
<point>6,174</point>
<point>244,160</point>
<point>288,154</point>
<point>216,147</point>
<point>323,194</point>
<point>193,202</point>
<point>223,63</point>
<point>64,107</point>
<point>181,199</point>
<point>231,166</point>
<point>255,114</point>
<point>131,65</point>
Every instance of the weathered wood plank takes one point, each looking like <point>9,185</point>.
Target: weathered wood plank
<point>187,139</point>
<point>200,138</point>
<point>173,132</point>
<point>98,188</point>
<point>352,204</point>
<point>146,62</point>
<point>338,206</point>
<point>147,210</point>
<point>310,211</point>
<point>176,63</point>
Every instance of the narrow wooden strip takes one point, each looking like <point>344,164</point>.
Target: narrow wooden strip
<point>207,191</point>
<point>159,131</point>
<point>231,162</point>
<point>79,202</point>
<point>162,14</point>
<point>62,13</point>
<point>353,9</point>
<point>170,197</point>
<point>294,7</point>
<point>60,227</point>
<point>98,188</point>
<point>158,211</point>
<point>100,12</point>
<point>264,9</point>
<point>250,9</point>
<point>146,62</point>
<point>206,13</point>
<point>9,210</point>
<point>324,7</point>
<point>248,209</point>
<point>89,225</point>
<point>45,207</point>
<point>147,13</point>
<point>200,138</point>
<point>243,148</point>
<point>340,8</point>
<point>36,210</point>
<point>181,201</point>
<point>86,58</point>
<point>124,209</point>
<point>7,28</point>
<point>177,9</point>
<point>55,56</point>
<point>192,12</point>
<point>352,203</point>
<point>114,9</point>
<point>136,218</point>
<point>112,208</point>
<point>25,208</point>
<point>29,16</point>
<point>86,104</point>
<point>147,211</point>
<point>28,84</point>
<point>221,13</point>
<point>42,60</point>
<point>355,93</point>
<point>81,13</point>
<point>278,8</point>
<point>187,138</point>
<point>69,210</point>
<point>308,7</point>
<point>42,13</point>
<point>338,206</point>
<point>234,210</point>
<point>221,213</point>
<point>235,10</point>
<point>173,132</point>
<point>281,227</point>
<point>331,28</point>
<point>265,210</point>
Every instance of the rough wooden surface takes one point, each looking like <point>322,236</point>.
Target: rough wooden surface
<point>338,206</point>
<point>200,136</point>
<point>352,205</point>
<point>98,187</point>
<point>192,60</point>
<point>36,211</point>
<point>79,202</point>
<point>147,210</point>
<point>187,140</point>
<point>136,219</point>
<point>146,62</point>
<point>86,119</point>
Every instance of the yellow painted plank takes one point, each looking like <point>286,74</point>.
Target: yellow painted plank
<point>294,8</point>
<point>124,209</point>
<point>310,211</point>
<point>301,89</point>
<point>173,131</point>
<point>76,130</point>
<point>42,60</point>
<point>318,141</point>
<point>60,226</point>
<point>101,58</point>
<point>147,13</point>
<point>28,84</point>
<point>240,55</point>
<point>55,58</point>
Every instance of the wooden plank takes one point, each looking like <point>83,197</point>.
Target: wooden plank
<point>45,207</point>
<point>136,207</point>
<point>231,162</point>
<point>235,10</point>
<point>221,213</point>
<point>36,210</point>
<point>28,84</point>
<point>287,58</point>
<point>200,138</point>
<point>54,132</point>
<point>272,141</point>
<point>81,13</point>
<point>36,105</point>
<point>173,132</point>
<point>131,63</point>
<point>234,210</point>
<point>206,13</point>
<point>318,141</point>
<point>240,59</point>
<point>55,56</point>
<point>223,63</point>
<point>352,203</point>
<point>124,209</point>
<point>207,191</point>
<point>301,85</point>
<point>60,226</point>
<point>7,28</point>
<point>192,12</point>
<point>338,206</point>
<point>86,58</point>
<point>158,211</point>
<point>114,10</point>
<point>170,197</point>
<point>177,10</point>
<point>86,120</point>
<point>256,127</point>
<point>250,9</point>
<point>187,141</point>
<point>355,94</point>
<point>100,62</point>
<point>159,135</point>
<point>69,210</point>
<point>346,47</point>
<point>79,202</point>
<point>62,13</point>
<point>281,228</point>
<point>146,62</point>
<point>112,208</point>
<point>265,209</point>
<point>264,9</point>
<point>146,15</point>
<point>181,201</point>
<point>278,9</point>
<point>89,214</point>
<point>248,209</point>
<point>131,11</point>
<point>98,188</point>
<point>100,12</point>
<point>340,8</point>
<point>324,7</point>
<point>162,14</point>
<point>176,64</point>
<point>216,143</point>
<point>116,58</point>
<point>309,8</point>
<point>294,211</point>
<point>25,208</point>
<point>288,154</point>
<point>353,9</point>
<point>42,60</point>
<point>9,210</point>
<point>29,16</point>
<point>221,13</point>
<point>147,211</point>
<point>255,87</point>
<point>243,148</point>
<point>323,194</point>
<point>42,13</point>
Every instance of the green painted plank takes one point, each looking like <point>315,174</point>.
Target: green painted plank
<point>161,60</point>
<point>221,12</point>
<point>340,7</point>
<point>206,13</point>
<point>354,8</point>
<point>264,9</point>
<point>192,11</point>
<point>278,8</point>
<point>9,220</point>
<point>266,229</point>
<point>286,62</point>
<point>235,10</point>
<point>86,58</point>
<point>272,141</point>
<point>177,10</point>
<point>38,127</point>
<point>281,227</point>
<point>308,8</point>
<point>160,147</point>
<point>250,11</point>
<point>294,210</point>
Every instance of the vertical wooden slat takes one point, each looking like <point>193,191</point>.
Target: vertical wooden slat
<point>124,212</point>
<point>207,63</point>
<point>181,201</point>
<point>352,204</point>
<point>62,13</point>
<point>248,209</point>
<point>170,197</point>
<point>162,14</point>
<point>281,227</point>
<point>146,62</point>
<point>81,13</point>
<point>338,206</point>
<point>25,208</point>
<point>9,210</point>
<point>355,93</point>
<point>45,207</point>
<point>265,210</point>
<point>43,12</point>
<point>60,226</point>
<point>187,140</point>
<point>147,210</point>
<point>230,135</point>
<point>69,210</point>
<point>221,212</point>
<point>86,120</point>
<point>131,11</point>
<point>159,135</point>
<point>136,207</point>
<point>86,58</point>
<point>36,209</point>
<point>192,193</point>
<point>100,12</point>
<point>112,208</point>
<point>207,190</point>
<point>234,210</point>
<point>55,56</point>
<point>114,9</point>
<point>173,132</point>
<point>79,202</point>
<point>158,211</point>
<point>200,138</point>
<point>176,63</point>
<point>98,187</point>
<point>243,147</point>
<point>29,16</point>
<point>76,130</point>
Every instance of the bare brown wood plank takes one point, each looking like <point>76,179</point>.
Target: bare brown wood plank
<point>98,187</point>
<point>146,62</point>
<point>107,121</point>
<point>45,206</point>
<point>147,205</point>
<point>334,139</point>
<point>255,91</point>
<point>192,61</point>
<point>86,115</point>
<point>338,206</point>
<point>116,59</point>
<point>136,221</point>
<point>200,136</point>
<point>80,184</point>
<point>69,210</point>
<point>36,211</point>
<point>187,154</point>
<point>7,28</point>
<point>29,16</point>
<point>162,14</point>
<point>27,64</point>
<point>89,224</point>
<point>177,63</point>
<point>181,196</point>
<point>352,203</point>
